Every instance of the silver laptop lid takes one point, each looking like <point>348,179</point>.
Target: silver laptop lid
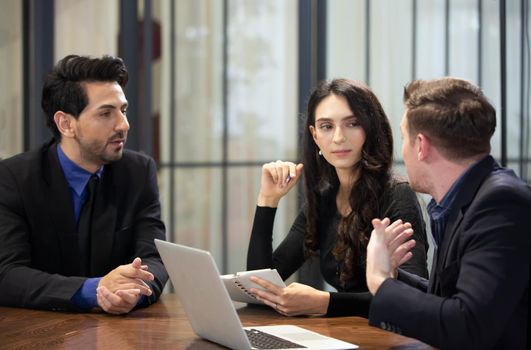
<point>205,300</point>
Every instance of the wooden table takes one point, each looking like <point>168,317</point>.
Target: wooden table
<point>165,326</point>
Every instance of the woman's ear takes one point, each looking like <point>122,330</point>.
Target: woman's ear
<point>313,132</point>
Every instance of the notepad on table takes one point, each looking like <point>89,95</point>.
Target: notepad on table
<point>239,284</point>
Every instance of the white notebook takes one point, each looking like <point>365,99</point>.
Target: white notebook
<point>239,284</point>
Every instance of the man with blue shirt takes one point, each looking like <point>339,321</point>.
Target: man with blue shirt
<point>477,296</point>
<point>78,216</point>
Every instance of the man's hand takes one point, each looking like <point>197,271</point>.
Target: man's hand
<point>295,299</point>
<point>130,276</point>
<point>120,302</point>
<point>120,290</point>
<point>388,248</point>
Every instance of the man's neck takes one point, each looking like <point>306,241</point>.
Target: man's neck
<point>446,172</point>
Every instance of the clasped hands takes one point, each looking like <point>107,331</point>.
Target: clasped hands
<point>120,290</point>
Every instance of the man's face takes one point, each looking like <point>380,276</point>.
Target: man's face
<point>101,129</point>
<point>409,155</point>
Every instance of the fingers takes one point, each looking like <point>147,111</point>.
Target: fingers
<point>130,297</point>
<point>266,284</point>
<point>401,235</point>
<point>402,253</point>
<point>116,282</point>
<point>272,301</point>
<point>130,276</point>
<point>135,270</point>
<point>380,225</point>
<point>117,303</point>
<point>137,263</point>
<point>270,294</point>
<point>266,297</point>
<point>390,232</point>
<point>405,258</point>
<point>389,247</point>
<point>282,172</point>
<point>295,299</point>
<point>139,285</point>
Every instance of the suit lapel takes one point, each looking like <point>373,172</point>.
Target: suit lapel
<point>433,280</point>
<point>443,252</point>
<point>58,203</point>
<point>467,192</point>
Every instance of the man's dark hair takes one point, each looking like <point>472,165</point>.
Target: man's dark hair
<point>63,89</point>
<point>453,113</point>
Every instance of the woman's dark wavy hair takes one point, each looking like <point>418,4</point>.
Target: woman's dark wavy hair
<point>63,89</point>
<point>374,172</point>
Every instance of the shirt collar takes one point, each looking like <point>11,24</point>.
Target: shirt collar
<point>76,176</point>
<point>448,199</point>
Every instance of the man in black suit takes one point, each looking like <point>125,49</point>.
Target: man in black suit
<point>79,215</point>
<point>477,295</point>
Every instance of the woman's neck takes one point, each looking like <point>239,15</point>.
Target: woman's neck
<point>347,179</point>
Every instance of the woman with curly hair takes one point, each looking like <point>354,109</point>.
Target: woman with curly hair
<point>347,159</point>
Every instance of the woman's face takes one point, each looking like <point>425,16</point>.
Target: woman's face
<point>337,132</point>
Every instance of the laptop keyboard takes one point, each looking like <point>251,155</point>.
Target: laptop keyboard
<point>262,340</point>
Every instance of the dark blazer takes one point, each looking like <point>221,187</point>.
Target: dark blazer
<point>477,296</point>
<point>39,252</point>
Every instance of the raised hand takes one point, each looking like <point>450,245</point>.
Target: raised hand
<point>388,248</point>
<point>278,178</point>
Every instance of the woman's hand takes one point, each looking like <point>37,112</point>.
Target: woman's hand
<point>295,299</point>
<point>277,180</point>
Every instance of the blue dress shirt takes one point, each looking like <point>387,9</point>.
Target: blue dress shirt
<point>77,179</point>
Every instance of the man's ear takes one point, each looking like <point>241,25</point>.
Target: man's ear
<point>64,123</point>
<point>424,146</point>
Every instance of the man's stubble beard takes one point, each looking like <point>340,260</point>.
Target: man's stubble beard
<point>92,153</point>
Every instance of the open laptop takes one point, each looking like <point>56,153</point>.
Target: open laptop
<point>211,313</point>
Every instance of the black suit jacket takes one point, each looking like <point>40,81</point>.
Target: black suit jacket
<point>477,296</point>
<point>39,251</point>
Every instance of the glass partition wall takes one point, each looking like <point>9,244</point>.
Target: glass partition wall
<point>233,107</point>
<point>218,87</point>
<point>11,98</point>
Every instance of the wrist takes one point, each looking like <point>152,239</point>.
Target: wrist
<point>394,274</point>
<point>374,283</point>
<point>267,201</point>
<point>324,298</point>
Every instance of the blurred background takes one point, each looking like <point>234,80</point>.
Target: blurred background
<point>218,87</point>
